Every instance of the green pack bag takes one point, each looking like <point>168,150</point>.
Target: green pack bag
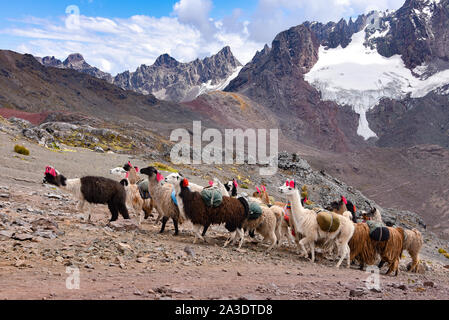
<point>328,221</point>
<point>255,211</point>
<point>143,189</point>
<point>212,197</point>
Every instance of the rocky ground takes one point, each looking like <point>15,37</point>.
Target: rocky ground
<point>42,234</point>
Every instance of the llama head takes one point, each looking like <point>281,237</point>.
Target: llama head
<point>174,179</point>
<point>152,174</point>
<point>52,176</point>
<point>127,167</point>
<point>117,171</point>
<point>231,187</point>
<point>228,186</point>
<point>289,187</point>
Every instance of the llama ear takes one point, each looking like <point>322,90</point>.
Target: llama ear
<point>137,169</point>
<point>63,180</point>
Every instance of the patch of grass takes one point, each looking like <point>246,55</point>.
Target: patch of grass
<point>163,167</point>
<point>21,150</point>
<point>244,186</point>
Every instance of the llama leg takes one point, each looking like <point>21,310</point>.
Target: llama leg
<point>114,212</point>
<point>381,264</point>
<point>312,250</point>
<point>205,230</point>
<point>164,222</point>
<point>175,223</point>
<point>121,207</point>
<point>242,237</point>
<point>229,239</point>
<point>278,234</point>
<point>303,247</point>
<point>273,240</point>
<point>390,267</point>
<point>342,253</point>
<point>415,263</point>
<point>348,256</point>
<point>80,205</point>
<point>89,213</point>
<point>196,229</point>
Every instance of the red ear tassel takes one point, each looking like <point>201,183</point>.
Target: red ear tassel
<point>211,183</point>
<point>137,169</point>
<point>292,184</point>
<point>159,177</point>
<point>185,183</point>
<point>287,183</point>
<point>344,200</point>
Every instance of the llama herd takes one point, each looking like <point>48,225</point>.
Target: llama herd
<point>335,231</point>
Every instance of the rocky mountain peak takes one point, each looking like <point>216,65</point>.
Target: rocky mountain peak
<point>166,61</point>
<point>75,58</point>
<point>169,79</point>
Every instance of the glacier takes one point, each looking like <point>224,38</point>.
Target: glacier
<point>360,77</point>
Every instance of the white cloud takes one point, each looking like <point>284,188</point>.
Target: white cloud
<point>115,45</point>
<point>273,16</point>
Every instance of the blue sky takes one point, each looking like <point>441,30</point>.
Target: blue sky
<point>120,35</point>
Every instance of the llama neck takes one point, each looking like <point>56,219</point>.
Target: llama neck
<point>180,201</point>
<point>73,186</point>
<point>266,198</point>
<point>298,211</point>
<point>377,216</point>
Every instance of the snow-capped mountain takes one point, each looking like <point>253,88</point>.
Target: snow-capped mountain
<point>359,76</point>
<point>382,55</point>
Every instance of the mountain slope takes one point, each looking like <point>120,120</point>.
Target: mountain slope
<point>27,85</point>
<point>275,79</point>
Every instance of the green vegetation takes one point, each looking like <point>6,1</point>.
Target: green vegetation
<point>163,167</point>
<point>21,150</point>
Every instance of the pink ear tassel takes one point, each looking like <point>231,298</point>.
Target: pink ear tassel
<point>211,183</point>
<point>159,177</point>
<point>287,183</point>
<point>137,169</point>
<point>236,184</point>
<point>258,190</point>
<point>292,184</point>
<point>127,175</point>
<point>264,189</point>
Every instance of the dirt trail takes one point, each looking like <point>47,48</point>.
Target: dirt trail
<point>143,264</point>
